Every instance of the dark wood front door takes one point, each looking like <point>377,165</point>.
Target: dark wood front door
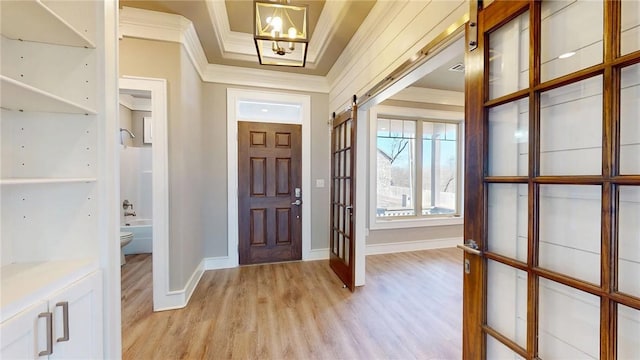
<point>269,192</point>
<point>552,182</point>
<point>343,155</point>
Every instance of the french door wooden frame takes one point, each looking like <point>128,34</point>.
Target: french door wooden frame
<point>343,176</point>
<point>477,181</point>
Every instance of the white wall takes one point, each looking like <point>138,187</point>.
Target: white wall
<point>400,30</point>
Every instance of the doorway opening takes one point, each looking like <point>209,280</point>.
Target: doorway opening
<point>146,178</point>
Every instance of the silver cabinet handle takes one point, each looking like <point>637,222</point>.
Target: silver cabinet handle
<point>297,202</point>
<point>48,316</point>
<point>65,321</point>
<point>471,247</point>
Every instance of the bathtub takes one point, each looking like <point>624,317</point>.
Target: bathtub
<point>142,236</point>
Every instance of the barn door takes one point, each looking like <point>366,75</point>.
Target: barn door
<point>343,155</point>
<point>552,181</point>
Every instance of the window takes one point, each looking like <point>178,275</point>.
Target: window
<point>416,168</point>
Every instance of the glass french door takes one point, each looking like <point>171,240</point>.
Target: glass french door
<point>552,181</point>
<point>343,159</point>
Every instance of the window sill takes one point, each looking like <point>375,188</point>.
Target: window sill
<point>380,224</point>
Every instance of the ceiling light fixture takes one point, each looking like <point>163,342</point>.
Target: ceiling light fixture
<point>280,33</point>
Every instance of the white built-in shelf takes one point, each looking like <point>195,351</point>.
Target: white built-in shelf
<point>31,20</point>
<point>23,284</point>
<point>27,181</point>
<point>23,97</point>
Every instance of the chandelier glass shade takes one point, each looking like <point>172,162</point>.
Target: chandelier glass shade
<point>280,33</point>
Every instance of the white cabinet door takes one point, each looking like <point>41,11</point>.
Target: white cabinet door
<point>24,335</point>
<point>81,338</point>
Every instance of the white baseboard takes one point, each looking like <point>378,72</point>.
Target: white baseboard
<point>177,299</point>
<point>317,254</point>
<point>402,246</point>
<point>218,262</point>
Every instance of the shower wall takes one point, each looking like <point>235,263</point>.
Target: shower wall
<point>135,166</point>
<point>135,181</point>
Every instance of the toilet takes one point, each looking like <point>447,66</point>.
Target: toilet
<point>125,239</point>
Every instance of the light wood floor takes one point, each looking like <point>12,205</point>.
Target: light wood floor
<point>410,308</point>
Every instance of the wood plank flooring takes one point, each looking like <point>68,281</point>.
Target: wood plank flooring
<point>410,308</point>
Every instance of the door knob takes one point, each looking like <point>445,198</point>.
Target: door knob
<point>471,247</point>
<point>297,202</point>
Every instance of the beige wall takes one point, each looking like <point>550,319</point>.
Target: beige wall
<point>137,127</point>
<point>156,59</point>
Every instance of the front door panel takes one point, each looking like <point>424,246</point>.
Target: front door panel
<point>269,172</point>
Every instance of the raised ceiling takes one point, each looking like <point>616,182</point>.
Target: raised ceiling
<point>225,29</point>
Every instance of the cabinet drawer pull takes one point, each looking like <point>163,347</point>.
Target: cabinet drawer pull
<point>48,316</point>
<point>65,321</point>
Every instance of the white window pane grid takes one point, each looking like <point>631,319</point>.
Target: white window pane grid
<point>629,240</point>
<point>568,321</point>
<point>630,37</point>
<point>509,57</point>
<point>507,220</point>
<point>571,129</point>
<point>628,333</point>
<point>569,230</point>
<point>395,160</point>
<point>439,168</point>
<point>571,36</point>
<point>509,139</point>
<point>498,351</point>
<point>507,301</point>
<point>629,123</point>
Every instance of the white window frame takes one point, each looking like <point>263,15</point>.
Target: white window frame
<point>418,114</point>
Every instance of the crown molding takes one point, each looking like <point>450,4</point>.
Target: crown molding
<point>434,96</point>
<point>265,78</point>
<point>153,25</point>
<point>146,24</point>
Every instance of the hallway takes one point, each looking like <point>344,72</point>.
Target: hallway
<point>409,308</point>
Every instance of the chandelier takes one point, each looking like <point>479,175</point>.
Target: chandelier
<point>280,33</point>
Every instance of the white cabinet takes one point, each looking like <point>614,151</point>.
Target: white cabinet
<point>19,334</point>
<point>65,325</point>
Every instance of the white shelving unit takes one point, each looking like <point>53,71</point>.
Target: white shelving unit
<point>46,181</point>
<point>23,97</point>
<point>33,20</point>
<point>50,129</point>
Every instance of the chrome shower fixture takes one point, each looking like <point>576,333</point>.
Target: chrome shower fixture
<point>128,132</point>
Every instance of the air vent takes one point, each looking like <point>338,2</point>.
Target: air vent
<point>457,68</point>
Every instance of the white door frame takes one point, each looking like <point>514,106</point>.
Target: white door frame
<point>162,298</point>
<point>234,96</point>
